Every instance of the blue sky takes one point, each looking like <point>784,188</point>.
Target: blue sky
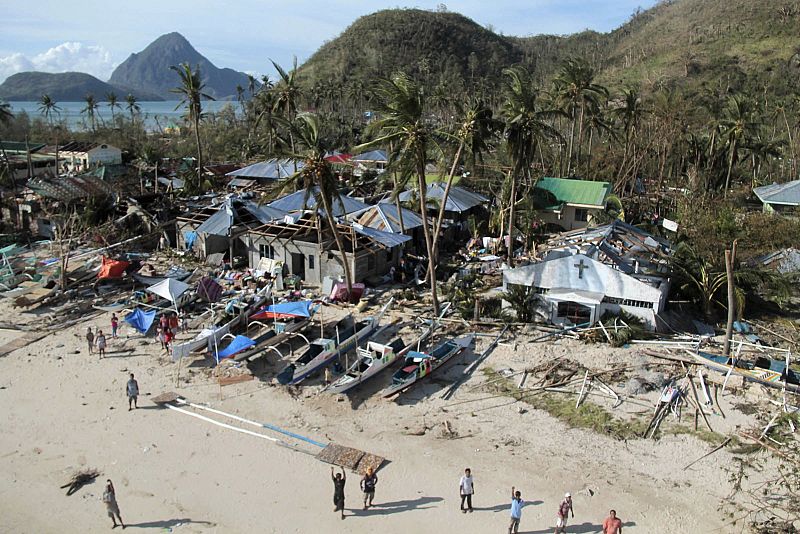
<point>94,37</point>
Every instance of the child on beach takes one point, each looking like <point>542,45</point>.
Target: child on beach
<point>90,339</point>
<point>114,325</point>
<point>101,343</point>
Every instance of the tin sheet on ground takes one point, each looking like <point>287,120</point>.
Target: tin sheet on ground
<point>352,459</point>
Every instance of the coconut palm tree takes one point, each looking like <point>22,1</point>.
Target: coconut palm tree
<point>526,126</point>
<point>477,126</point>
<point>113,103</point>
<point>132,106</point>
<point>740,120</point>
<point>191,94</point>
<point>575,89</point>
<point>48,106</point>
<point>630,113</point>
<point>317,178</point>
<point>5,112</point>
<point>90,110</point>
<point>287,94</point>
<point>403,125</point>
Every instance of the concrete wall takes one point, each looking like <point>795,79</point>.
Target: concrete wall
<point>566,219</point>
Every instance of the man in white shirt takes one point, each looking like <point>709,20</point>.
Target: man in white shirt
<point>467,489</point>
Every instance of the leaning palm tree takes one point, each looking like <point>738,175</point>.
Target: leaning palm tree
<point>48,106</point>
<point>526,126</point>
<point>91,110</point>
<point>191,94</point>
<point>287,94</point>
<point>316,178</point>
<point>132,106</point>
<point>113,102</point>
<point>403,125</point>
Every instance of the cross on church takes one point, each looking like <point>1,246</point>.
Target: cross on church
<point>581,266</point>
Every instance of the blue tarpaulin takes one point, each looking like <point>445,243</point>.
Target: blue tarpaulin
<point>140,320</point>
<point>238,344</point>
<point>189,238</point>
<point>285,310</point>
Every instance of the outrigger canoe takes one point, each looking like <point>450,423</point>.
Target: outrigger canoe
<point>765,371</point>
<point>323,352</point>
<point>418,365</point>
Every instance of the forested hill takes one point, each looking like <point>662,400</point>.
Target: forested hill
<point>428,45</point>
<point>701,45</point>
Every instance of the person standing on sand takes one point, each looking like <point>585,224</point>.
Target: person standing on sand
<point>90,339</point>
<point>564,510</point>
<point>368,484</point>
<point>173,324</point>
<point>101,343</point>
<point>466,487</point>
<point>114,325</point>
<point>612,524</point>
<point>516,511</point>
<point>110,500</point>
<point>338,490</point>
<point>133,392</point>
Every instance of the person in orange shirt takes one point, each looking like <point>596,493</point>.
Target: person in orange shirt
<point>612,524</point>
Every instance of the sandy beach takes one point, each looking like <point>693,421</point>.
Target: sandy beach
<point>65,410</point>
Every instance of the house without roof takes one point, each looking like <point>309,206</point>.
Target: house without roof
<point>79,156</point>
<point>779,198</point>
<point>584,274</point>
<point>570,204</point>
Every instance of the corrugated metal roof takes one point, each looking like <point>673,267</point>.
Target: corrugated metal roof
<point>228,215</point>
<point>220,223</point>
<point>570,191</point>
<point>297,201</point>
<point>241,182</point>
<point>384,238</point>
<point>70,188</point>
<point>459,199</point>
<point>787,193</point>
<point>384,216</point>
<point>272,169</point>
<point>372,156</point>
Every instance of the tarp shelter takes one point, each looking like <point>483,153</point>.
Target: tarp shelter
<point>285,310</point>
<point>339,292</point>
<point>208,289</point>
<point>169,289</point>
<point>112,268</point>
<point>141,320</point>
<point>238,344</point>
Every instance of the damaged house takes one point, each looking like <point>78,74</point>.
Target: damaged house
<point>582,275</point>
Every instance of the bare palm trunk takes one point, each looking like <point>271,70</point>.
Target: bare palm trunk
<point>730,168</point>
<point>199,150</point>
<point>580,137</point>
<point>423,201</point>
<point>511,221</point>
<point>571,142</point>
<point>447,187</point>
<point>348,275</point>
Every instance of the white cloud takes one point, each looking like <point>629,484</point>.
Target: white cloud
<point>68,56</point>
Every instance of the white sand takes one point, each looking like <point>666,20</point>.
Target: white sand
<point>64,411</point>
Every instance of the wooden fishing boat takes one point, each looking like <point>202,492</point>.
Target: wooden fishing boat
<point>763,370</point>
<point>377,357</point>
<point>281,323</point>
<point>418,365</point>
<point>323,352</point>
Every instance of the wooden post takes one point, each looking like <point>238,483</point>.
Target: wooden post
<point>696,416</point>
<point>477,314</point>
<point>730,257</point>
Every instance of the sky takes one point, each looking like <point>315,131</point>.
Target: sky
<point>95,37</point>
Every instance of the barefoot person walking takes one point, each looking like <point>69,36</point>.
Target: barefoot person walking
<point>564,510</point>
<point>516,511</point>
<point>101,343</point>
<point>90,339</point>
<point>368,484</point>
<point>110,500</point>
<point>466,487</point>
<point>338,490</point>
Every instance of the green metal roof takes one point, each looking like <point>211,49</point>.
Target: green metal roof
<point>569,191</point>
<point>16,146</point>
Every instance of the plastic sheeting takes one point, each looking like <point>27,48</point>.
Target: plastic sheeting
<point>208,289</point>
<point>285,310</point>
<point>339,293</point>
<point>112,268</point>
<point>238,344</point>
<point>141,320</point>
<point>169,289</point>
<point>189,238</point>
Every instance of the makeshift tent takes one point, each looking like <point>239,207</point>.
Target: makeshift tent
<point>169,289</point>
<point>238,344</point>
<point>208,289</point>
<point>285,310</point>
<point>112,268</point>
<point>140,320</point>
<point>339,293</point>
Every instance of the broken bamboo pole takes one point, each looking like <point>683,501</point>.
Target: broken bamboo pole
<point>699,406</point>
<point>712,451</point>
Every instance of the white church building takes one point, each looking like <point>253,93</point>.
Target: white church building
<point>583,275</point>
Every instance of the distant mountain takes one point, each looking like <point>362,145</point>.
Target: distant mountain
<point>149,70</point>
<point>428,45</point>
<point>62,87</point>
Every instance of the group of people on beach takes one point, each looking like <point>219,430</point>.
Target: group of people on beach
<point>466,488</point>
<point>169,324</point>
